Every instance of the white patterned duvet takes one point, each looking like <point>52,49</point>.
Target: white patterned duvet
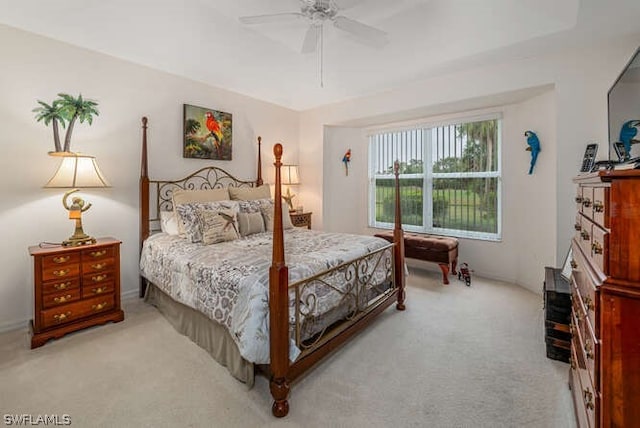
<point>229,281</point>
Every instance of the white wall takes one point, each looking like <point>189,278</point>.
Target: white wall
<point>37,68</point>
<point>577,110</point>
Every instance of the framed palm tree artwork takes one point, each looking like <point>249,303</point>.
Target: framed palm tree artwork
<point>207,133</point>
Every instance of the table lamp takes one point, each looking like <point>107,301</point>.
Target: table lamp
<point>77,171</point>
<point>290,176</point>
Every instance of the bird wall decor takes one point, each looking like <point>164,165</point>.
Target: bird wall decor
<point>627,133</point>
<point>346,159</point>
<point>534,148</point>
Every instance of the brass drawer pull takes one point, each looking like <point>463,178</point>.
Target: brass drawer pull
<point>586,202</point>
<point>98,253</point>
<point>98,278</point>
<point>99,290</point>
<point>585,235</point>
<point>62,299</point>
<point>571,328</point>
<point>588,303</point>
<point>577,227</point>
<point>63,272</point>
<point>588,399</point>
<point>598,206</point>
<point>596,247</point>
<point>572,362</point>
<point>62,285</point>
<point>574,265</point>
<point>61,317</point>
<point>99,306</point>
<point>579,199</point>
<point>61,259</point>
<point>98,266</point>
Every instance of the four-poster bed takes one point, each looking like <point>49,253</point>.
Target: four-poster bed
<point>329,288</point>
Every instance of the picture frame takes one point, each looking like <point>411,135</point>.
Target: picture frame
<point>207,133</point>
<point>589,157</point>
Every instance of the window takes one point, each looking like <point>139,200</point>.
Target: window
<point>450,178</point>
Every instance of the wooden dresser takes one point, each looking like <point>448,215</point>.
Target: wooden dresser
<point>605,287</point>
<point>75,288</point>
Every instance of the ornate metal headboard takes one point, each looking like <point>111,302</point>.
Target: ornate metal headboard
<point>156,195</point>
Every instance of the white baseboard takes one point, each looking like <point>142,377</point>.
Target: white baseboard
<point>14,325</point>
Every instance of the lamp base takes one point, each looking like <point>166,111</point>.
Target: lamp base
<point>75,241</point>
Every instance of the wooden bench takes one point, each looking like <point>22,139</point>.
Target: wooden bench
<point>431,248</point>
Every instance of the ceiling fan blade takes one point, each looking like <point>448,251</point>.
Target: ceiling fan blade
<point>266,19</point>
<point>359,29</point>
<point>347,4</point>
<point>311,39</point>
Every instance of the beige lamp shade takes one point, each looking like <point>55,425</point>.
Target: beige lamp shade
<point>290,174</point>
<point>78,170</point>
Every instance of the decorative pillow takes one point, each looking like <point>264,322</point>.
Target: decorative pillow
<point>180,197</point>
<point>217,225</point>
<point>169,222</point>
<point>267,213</point>
<point>249,193</point>
<point>188,216</point>
<point>250,223</point>
<point>253,206</point>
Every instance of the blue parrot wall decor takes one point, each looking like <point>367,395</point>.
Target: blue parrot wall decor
<point>534,148</point>
<point>627,133</point>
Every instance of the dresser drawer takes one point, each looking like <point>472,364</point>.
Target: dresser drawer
<point>60,285</point>
<point>59,272</point>
<point>97,254</point>
<point>60,259</point>
<point>601,206</point>
<point>90,290</point>
<point>584,339</point>
<point>73,311</point>
<point>577,391</point>
<point>585,395</point>
<point>587,201</point>
<point>600,248</point>
<point>97,265</point>
<point>60,298</point>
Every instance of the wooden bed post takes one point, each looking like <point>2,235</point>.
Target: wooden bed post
<point>144,198</point>
<point>278,304</point>
<point>259,179</point>
<point>398,239</point>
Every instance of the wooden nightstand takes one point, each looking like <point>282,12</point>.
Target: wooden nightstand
<point>300,219</point>
<point>75,288</point>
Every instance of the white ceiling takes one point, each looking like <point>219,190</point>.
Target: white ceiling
<point>203,39</point>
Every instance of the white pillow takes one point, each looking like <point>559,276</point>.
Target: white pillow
<point>169,223</point>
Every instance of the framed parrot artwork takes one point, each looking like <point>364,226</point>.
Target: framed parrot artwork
<point>207,133</point>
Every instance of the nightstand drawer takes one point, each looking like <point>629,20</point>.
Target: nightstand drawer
<point>60,285</point>
<point>71,312</point>
<point>97,254</point>
<point>96,265</point>
<point>60,272</point>
<point>96,290</point>
<point>97,279</point>
<point>53,300</point>
<point>60,259</point>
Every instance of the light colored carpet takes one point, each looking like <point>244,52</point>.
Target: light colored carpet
<point>457,357</point>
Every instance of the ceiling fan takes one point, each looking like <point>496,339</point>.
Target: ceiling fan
<point>317,12</point>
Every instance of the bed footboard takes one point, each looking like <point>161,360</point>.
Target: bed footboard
<point>367,291</point>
